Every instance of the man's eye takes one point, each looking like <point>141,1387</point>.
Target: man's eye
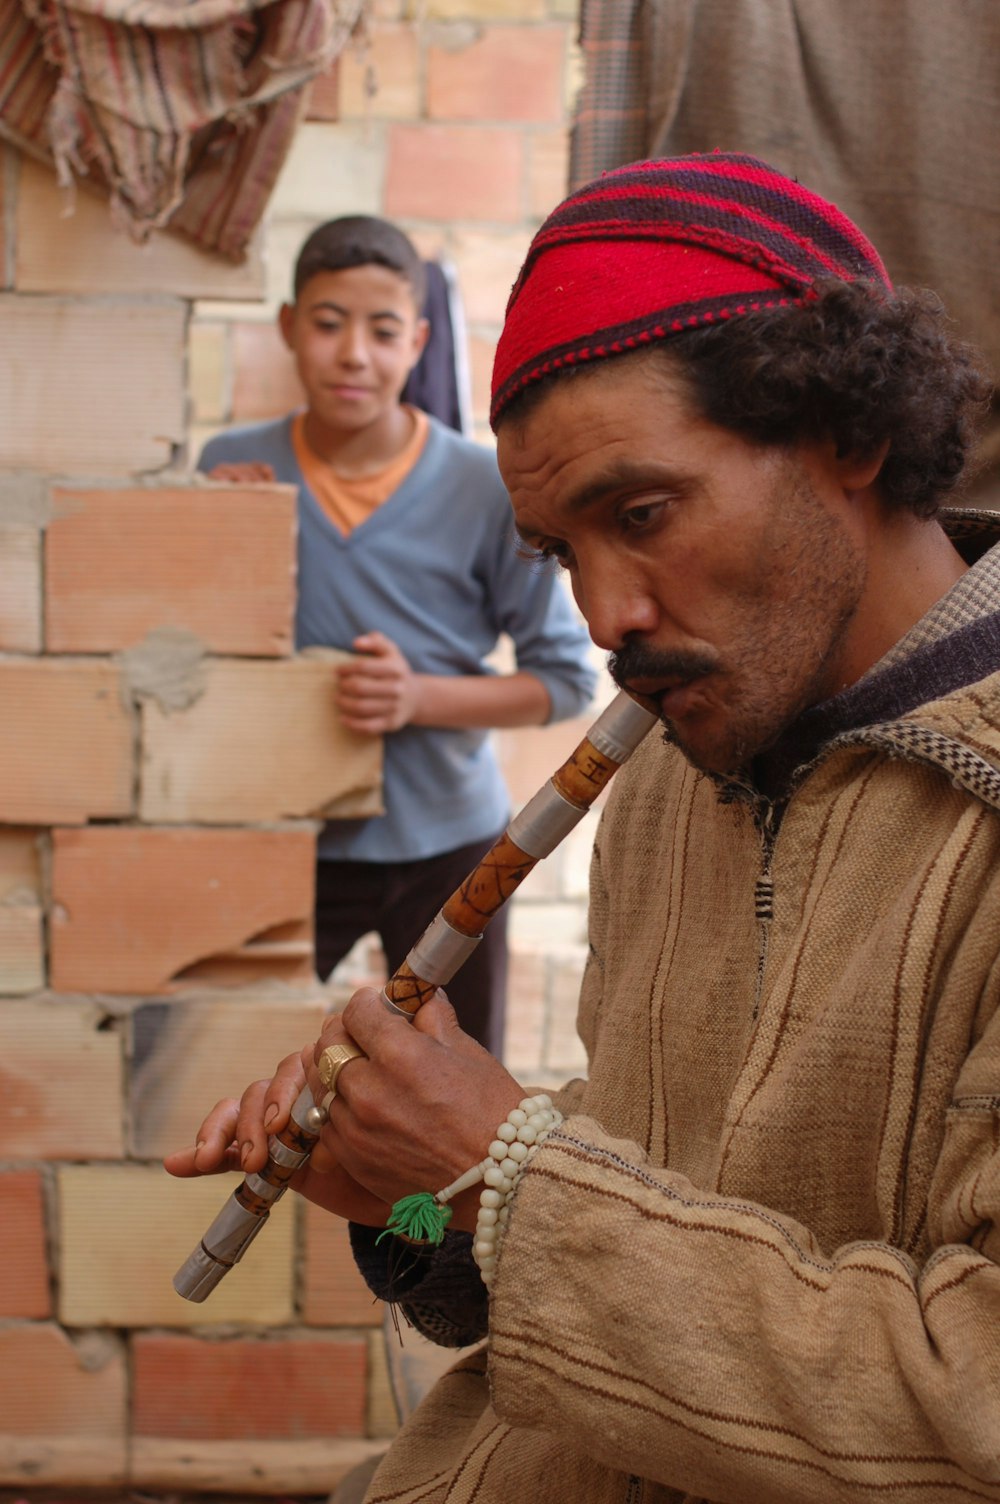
<point>554,552</point>
<point>386,336</point>
<point>641,515</point>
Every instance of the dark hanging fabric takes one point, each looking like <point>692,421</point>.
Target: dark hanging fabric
<point>436,382</point>
<point>888,108</point>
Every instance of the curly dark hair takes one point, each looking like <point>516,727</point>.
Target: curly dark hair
<point>854,367</point>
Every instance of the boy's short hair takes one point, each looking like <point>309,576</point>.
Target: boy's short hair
<point>361,240</point>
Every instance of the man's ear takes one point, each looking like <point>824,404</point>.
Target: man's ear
<point>286,323</point>
<point>859,471</point>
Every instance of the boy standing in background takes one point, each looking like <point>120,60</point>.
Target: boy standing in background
<point>406,557</point>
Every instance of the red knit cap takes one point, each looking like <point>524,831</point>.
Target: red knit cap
<point>655,248</point>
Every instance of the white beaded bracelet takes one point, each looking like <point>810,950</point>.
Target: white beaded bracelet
<point>526,1127</point>
<point>423,1217</point>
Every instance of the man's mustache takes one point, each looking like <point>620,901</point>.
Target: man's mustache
<point>637,660</point>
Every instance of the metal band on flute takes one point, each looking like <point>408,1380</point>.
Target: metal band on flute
<point>443,947</point>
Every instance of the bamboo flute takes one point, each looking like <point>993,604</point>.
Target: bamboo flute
<point>449,939</point>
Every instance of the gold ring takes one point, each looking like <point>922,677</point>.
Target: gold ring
<point>332,1062</point>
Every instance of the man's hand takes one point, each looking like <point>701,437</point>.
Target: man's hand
<point>418,1110</point>
<point>243,472</point>
<point>378,691</point>
<point>234,1137</point>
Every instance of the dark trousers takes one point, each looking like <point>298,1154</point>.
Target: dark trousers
<point>398,900</point>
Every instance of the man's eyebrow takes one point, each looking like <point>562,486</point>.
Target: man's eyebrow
<point>619,475</point>
<point>329,306</point>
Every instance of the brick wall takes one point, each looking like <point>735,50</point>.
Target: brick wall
<point>157,820</point>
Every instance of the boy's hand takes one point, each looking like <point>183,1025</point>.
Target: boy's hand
<point>243,472</point>
<point>377,692</point>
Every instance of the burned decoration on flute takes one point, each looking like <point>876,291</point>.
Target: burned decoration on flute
<point>449,939</point>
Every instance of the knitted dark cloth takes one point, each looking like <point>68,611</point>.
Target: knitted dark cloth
<point>654,248</point>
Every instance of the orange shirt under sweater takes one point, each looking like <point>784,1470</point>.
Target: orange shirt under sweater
<point>350,500</point>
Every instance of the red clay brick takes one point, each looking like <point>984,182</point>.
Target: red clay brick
<point>216,561</point>
<point>65,742</point>
<point>438,171</point>
<point>135,908</point>
<point>265,383</point>
<point>382,81</point>
<point>63,1422</point>
<point>323,99</point>
<point>509,73</point>
<point>247,1389</point>
<point>61,1081</point>
<point>334,1293</point>
<point>24,1290</point>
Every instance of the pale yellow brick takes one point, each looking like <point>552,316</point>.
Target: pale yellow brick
<point>524,1040</point>
<point>208,372</point>
<point>487,264</point>
<point>20,589</point>
<point>564,1051</point>
<point>536,925</point>
<point>263,742</point>
<point>482,350</point>
<point>62,1081</point>
<point>300,1467</point>
<point>548,171</point>
<point>70,245</point>
<point>22,966</point>
<point>22,963</point>
<point>414,1365</point>
<point>331,169</point>
<point>189,1055</point>
<point>20,865</point>
<point>126,1229</point>
<point>485,10</point>
<point>381,80</point>
<point>90,386</point>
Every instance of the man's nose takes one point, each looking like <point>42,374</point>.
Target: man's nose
<point>616,607</point>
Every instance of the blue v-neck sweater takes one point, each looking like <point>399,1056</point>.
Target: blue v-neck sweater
<point>435,568</point>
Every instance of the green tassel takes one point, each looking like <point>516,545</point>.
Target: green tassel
<point>418,1218</point>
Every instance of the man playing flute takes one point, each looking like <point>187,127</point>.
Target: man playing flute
<point>754,1258</point>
